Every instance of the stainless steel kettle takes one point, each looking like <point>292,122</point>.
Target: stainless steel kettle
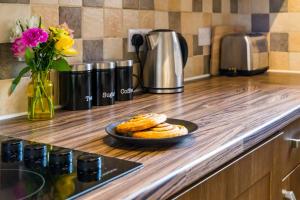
<point>167,53</point>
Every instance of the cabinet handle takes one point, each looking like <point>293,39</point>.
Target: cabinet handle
<point>295,143</point>
<point>289,195</point>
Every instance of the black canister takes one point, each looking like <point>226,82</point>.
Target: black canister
<point>103,83</point>
<point>124,83</point>
<point>76,87</point>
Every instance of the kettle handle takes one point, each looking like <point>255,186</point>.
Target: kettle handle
<point>184,48</point>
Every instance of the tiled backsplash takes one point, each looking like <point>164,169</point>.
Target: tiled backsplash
<point>280,19</point>
<point>101,28</point>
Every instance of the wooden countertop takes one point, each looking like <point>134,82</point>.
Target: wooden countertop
<point>233,115</point>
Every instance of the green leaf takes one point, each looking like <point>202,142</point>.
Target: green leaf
<point>17,79</point>
<point>40,22</point>
<point>60,65</point>
<point>28,56</point>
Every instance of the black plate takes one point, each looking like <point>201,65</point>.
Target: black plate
<point>110,129</point>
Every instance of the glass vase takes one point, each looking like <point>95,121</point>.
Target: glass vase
<point>40,97</point>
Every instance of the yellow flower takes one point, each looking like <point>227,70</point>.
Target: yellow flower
<point>69,52</point>
<point>64,46</point>
<point>63,43</point>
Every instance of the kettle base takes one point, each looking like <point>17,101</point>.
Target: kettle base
<point>164,90</point>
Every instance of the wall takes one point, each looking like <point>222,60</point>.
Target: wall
<point>101,30</point>
<point>280,19</point>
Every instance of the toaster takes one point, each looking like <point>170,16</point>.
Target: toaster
<point>244,54</point>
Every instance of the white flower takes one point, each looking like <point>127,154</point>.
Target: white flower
<point>20,27</point>
<point>33,22</point>
<point>16,31</point>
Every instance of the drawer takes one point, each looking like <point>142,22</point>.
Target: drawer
<point>291,184</point>
<point>286,154</point>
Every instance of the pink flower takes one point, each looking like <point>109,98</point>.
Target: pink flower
<point>18,47</point>
<point>33,36</point>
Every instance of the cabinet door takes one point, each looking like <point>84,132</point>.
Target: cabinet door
<point>291,183</point>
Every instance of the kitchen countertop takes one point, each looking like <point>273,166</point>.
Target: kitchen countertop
<point>233,115</point>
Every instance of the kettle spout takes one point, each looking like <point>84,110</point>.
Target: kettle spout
<point>152,41</point>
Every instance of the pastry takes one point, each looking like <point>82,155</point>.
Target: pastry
<point>141,122</point>
<point>164,130</point>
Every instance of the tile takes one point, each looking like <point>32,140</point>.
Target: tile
<point>175,21</point>
<point>92,23</point>
<point>217,6</point>
<point>279,42</point>
<point>49,14</point>
<point>126,54</point>
<point>206,50</point>
<point>207,6</point>
<point>197,5</point>
<point>206,64</point>
<point>161,5</point>
<point>190,22</point>
<point>226,6</point>
<point>244,7</point>
<point>294,41</point>
<point>113,21</point>
<point>93,3</point>
<point>186,5</point>
<point>70,2</point>
<point>79,49</point>
<point>9,14</point>
<point>197,50</point>
<point>15,103</point>
<point>279,60</point>
<point>234,7</point>
<point>206,19</point>
<point>130,4</point>
<point>293,6</point>
<point>285,22</point>
<point>112,48</point>
<point>259,6</point>
<point>92,50</point>
<point>146,4</point>
<point>146,19</point>
<point>113,3</point>
<point>15,1</point>
<point>9,66</point>
<point>294,61</point>
<point>260,22</point>
<point>161,20</point>
<point>72,16</point>
<point>130,20</point>
<point>189,40</point>
<point>278,6</point>
<point>44,1</point>
<point>174,5</point>
<point>194,67</point>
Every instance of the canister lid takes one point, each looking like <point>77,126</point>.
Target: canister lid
<point>124,63</point>
<point>81,67</point>
<point>104,65</point>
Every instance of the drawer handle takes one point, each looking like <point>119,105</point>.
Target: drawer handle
<point>289,195</point>
<point>295,143</point>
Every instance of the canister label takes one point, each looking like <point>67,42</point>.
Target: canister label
<point>108,95</point>
<point>88,98</point>
<point>126,91</point>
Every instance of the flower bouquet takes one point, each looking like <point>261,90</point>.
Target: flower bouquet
<point>43,50</point>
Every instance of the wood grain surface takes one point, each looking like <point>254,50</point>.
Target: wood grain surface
<point>233,115</point>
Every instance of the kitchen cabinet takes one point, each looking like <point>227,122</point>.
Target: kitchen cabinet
<point>291,184</point>
<point>269,171</point>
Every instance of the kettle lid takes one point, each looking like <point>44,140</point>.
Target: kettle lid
<point>161,30</point>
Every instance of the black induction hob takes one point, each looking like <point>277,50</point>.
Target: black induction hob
<point>31,170</point>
